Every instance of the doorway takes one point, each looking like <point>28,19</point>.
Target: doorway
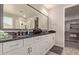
<point>72,29</point>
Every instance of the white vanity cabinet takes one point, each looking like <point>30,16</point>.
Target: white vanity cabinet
<point>0,48</point>
<point>51,41</point>
<point>39,45</point>
<point>12,46</point>
<point>46,43</point>
<point>35,49</point>
<point>32,45</point>
<point>18,51</point>
<point>30,41</point>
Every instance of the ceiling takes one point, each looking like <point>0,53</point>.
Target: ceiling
<point>41,8</point>
<point>72,11</point>
<point>20,10</point>
<point>24,10</point>
<point>47,7</point>
<point>53,6</point>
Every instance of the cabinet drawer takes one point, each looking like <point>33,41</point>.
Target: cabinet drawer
<point>9,46</point>
<point>0,48</point>
<point>19,51</point>
<point>44,37</point>
<point>30,41</point>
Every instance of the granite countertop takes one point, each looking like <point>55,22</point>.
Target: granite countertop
<point>26,36</point>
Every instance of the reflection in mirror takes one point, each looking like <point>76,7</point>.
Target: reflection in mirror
<point>36,22</point>
<point>21,16</point>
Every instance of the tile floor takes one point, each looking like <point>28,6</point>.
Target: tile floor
<point>67,51</point>
<point>70,51</point>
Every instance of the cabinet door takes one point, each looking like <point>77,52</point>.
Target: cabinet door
<point>9,46</point>
<point>0,48</point>
<point>44,47</point>
<point>40,47</point>
<point>35,49</point>
<point>51,40</point>
<point>46,43</point>
<point>20,51</point>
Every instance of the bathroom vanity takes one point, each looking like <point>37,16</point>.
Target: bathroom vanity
<point>25,18</point>
<point>32,45</point>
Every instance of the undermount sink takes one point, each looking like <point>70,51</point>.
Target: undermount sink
<point>37,31</point>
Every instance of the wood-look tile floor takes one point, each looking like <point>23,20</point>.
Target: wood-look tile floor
<point>67,51</point>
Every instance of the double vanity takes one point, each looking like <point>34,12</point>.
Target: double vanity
<point>17,39</point>
<point>37,44</point>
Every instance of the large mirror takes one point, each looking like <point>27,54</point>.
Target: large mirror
<point>22,16</point>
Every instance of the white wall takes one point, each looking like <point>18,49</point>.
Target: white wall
<point>56,17</point>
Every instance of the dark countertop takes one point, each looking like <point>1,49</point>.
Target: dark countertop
<point>27,36</point>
